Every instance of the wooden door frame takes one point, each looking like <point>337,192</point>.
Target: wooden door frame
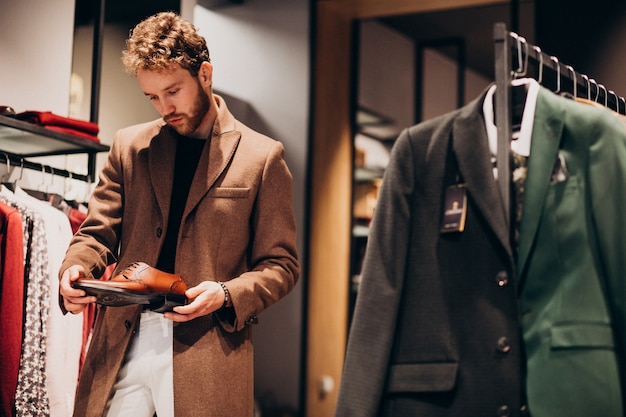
<point>330,198</point>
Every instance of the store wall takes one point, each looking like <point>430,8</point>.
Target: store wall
<point>35,66</point>
<point>387,76</point>
<point>260,56</point>
<point>36,54</point>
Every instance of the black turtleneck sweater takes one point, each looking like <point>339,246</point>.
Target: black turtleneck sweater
<point>188,151</point>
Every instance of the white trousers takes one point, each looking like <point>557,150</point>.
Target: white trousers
<point>145,382</point>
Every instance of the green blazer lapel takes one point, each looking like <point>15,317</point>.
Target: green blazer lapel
<point>471,147</point>
<point>546,136</point>
<point>215,158</point>
<point>161,161</point>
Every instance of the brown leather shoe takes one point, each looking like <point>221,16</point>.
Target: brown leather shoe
<point>139,283</point>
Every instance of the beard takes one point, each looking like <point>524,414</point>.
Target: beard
<point>192,120</point>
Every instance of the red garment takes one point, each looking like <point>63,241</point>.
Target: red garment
<point>73,132</point>
<point>89,314</point>
<point>46,118</point>
<point>77,218</point>
<point>11,303</point>
<point>82,128</point>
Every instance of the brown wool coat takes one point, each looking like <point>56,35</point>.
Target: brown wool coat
<point>238,226</point>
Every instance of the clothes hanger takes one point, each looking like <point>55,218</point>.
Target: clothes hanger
<point>540,70</point>
<point>41,193</point>
<point>616,109</point>
<point>591,80</point>
<point>5,179</point>
<point>519,91</point>
<point>588,86</point>
<point>574,81</point>
<point>558,74</point>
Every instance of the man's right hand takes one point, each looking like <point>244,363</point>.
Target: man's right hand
<point>74,300</point>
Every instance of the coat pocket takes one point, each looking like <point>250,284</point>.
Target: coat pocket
<point>582,335</point>
<point>422,377</point>
<point>229,192</point>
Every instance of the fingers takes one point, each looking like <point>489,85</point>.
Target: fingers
<point>70,275</point>
<point>205,298</point>
<point>74,300</point>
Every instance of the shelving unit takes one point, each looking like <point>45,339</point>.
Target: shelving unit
<point>20,140</point>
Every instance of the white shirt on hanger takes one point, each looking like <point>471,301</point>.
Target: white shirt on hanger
<point>521,140</point>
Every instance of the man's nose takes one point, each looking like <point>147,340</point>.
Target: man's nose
<point>167,107</point>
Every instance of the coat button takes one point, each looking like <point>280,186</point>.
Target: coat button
<point>502,278</point>
<point>503,345</point>
<point>127,324</point>
<point>253,319</point>
<point>503,411</point>
<point>524,411</point>
<point>159,232</point>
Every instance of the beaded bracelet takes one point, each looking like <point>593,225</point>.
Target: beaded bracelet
<point>226,294</point>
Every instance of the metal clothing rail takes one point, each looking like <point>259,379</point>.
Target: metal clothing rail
<point>19,162</point>
<point>516,58</point>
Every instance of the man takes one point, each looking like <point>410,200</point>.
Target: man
<point>196,194</point>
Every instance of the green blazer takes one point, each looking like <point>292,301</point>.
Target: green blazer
<point>571,260</point>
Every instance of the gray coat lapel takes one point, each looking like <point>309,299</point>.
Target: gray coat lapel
<point>471,147</point>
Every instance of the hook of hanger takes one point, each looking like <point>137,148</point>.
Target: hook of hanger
<point>588,86</point>
<point>21,173</point>
<point>51,178</point>
<point>616,100</point>
<point>8,162</point>
<point>623,100</point>
<point>43,178</point>
<point>44,186</point>
<point>571,69</point>
<point>87,188</point>
<point>522,58</point>
<point>606,95</point>
<point>519,55</point>
<point>591,80</point>
<point>558,73</point>
<point>538,50</point>
<point>66,187</point>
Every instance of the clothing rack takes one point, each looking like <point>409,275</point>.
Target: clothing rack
<point>516,58</point>
<point>17,161</point>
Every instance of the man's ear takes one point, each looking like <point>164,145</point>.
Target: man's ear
<point>205,74</point>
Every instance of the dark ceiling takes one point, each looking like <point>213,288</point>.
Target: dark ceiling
<point>121,11</point>
<point>573,30</point>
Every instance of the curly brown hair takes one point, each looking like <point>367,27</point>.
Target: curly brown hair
<point>163,40</point>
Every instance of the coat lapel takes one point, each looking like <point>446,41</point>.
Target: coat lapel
<point>546,136</point>
<point>214,160</point>
<point>471,147</point>
<point>215,157</point>
<point>161,163</point>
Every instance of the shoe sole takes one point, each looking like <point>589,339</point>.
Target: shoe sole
<point>118,297</point>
